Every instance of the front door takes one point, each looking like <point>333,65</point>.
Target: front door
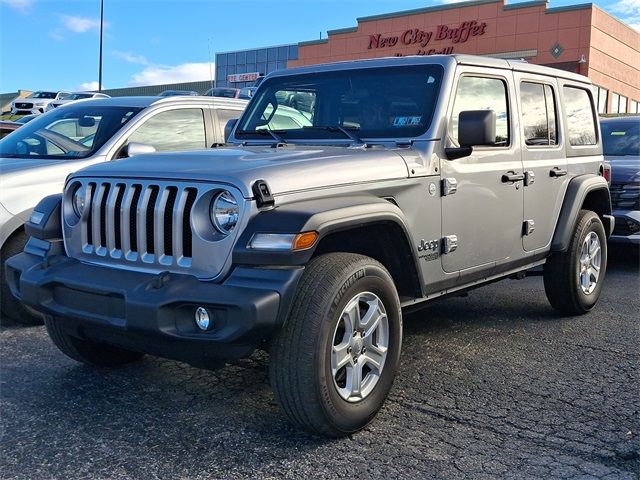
<point>485,213</point>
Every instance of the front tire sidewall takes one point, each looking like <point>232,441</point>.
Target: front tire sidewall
<point>347,416</point>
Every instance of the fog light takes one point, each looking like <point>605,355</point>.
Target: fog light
<point>202,318</point>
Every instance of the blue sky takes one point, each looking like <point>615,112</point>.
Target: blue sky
<point>50,44</point>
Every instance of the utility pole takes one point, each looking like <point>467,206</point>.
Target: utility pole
<point>100,61</point>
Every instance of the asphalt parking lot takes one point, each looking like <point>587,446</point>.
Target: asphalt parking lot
<point>492,385</point>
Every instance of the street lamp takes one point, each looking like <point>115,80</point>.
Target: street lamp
<point>100,60</point>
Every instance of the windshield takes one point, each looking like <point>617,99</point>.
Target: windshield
<point>386,102</point>
<point>51,95</point>
<point>70,132</point>
<point>78,96</point>
<point>222,92</point>
<point>621,137</point>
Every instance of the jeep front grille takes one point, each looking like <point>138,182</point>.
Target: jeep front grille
<point>137,221</point>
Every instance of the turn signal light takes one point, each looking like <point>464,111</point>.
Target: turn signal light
<point>304,240</point>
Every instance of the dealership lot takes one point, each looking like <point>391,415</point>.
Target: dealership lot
<point>490,385</point>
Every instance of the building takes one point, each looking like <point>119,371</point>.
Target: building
<point>240,69</point>
<point>579,38</point>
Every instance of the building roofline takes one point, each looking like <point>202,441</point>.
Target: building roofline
<point>569,8</point>
<point>295,44</point>
<point>615,18</point>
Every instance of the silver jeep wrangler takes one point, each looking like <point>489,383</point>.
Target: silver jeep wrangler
<point>400,181</point>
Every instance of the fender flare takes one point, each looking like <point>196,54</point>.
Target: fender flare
<point>325,216</point>
<point>577,191</point>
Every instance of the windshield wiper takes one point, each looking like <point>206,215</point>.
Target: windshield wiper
<point>266,131</point>
<point>347,132</point>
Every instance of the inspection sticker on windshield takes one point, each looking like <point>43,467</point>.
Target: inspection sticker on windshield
<point>406,121</point>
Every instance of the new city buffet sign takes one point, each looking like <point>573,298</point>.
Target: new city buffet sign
<point>422,39</point>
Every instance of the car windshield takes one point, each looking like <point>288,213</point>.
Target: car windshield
<point>382,102</point>
<point>79,96</point>
<point>66,133</point>
<point>50,95</point>
<point>222,92</point>
<point>621,138</point>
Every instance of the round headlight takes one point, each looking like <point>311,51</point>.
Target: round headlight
<point>79,200</point>
<point>224,212</point>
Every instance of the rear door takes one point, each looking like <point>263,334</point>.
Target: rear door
<point>543,158</point>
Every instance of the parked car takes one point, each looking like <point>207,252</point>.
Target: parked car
<point>247,92</point>
<point>7,126</point>
<point>36,102</point>
<point>621,147</point>
<point>419,177</point>
<point>177,93</point>
<point>72,97</point>
<point>35,161</point>
<point>225,92</point>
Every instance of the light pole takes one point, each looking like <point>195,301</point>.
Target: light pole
<point>100,61</point>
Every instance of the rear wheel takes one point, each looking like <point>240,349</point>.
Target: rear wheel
<point>12,307</point>
<point>87,351</point>
<point>573,279</point>
<point>334,361</point>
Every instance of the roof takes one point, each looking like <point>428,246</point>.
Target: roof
<point>143,102</point>
<point>443,60</point>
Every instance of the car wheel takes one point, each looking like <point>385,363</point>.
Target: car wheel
<point>573,279</point>
<point>334,360</point>
<point>86,351</point>
<point>10,306</point>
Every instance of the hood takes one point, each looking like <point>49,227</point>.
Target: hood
<point>25,181</point>
<point>285,169</point>
<point>624,168</point>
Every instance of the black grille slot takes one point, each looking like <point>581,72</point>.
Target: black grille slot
<point>168,220</point>
<point>186,222</point>
<point>103,215</point>
<point>151,218</point>
<point>133,214</point>
<point>92,187</point>
<point>117,214</point>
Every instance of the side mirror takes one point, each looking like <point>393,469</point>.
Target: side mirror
<point>476,127</point>
<point>135,148</point>
<point>228,128</point>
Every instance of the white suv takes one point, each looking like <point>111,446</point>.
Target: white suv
<point>36,103</point>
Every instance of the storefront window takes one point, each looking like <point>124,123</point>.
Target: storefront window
<point>634,107</point>
<point>601,95</point>
<point>623,104</point>
<point>615,103</point>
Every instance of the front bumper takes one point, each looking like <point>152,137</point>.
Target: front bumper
<point>154,313</point>
<point>627,227</point>
<point>28,111</point>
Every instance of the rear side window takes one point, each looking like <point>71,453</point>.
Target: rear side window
<point>480,93</point>
<point>538,114</point>
<point>581,126</point>
<point>181,129</point>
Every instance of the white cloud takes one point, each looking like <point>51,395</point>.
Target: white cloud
<point>88,86</point>
<point>79,24</point>
<point>130,57</point>
<point>629,12</point>
<point>20,5</point>
<point>161,74</point>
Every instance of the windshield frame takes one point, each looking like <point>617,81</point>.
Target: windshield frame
<point>242,136</point>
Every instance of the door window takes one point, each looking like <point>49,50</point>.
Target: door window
<point>538,114</point>
<point>580,119</point>
<point>480,93</point>
<point>181,129</point>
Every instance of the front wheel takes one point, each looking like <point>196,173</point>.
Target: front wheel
<point>573,279</point>
<point>334,361</point>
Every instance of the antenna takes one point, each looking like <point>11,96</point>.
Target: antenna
<point>210,69</point>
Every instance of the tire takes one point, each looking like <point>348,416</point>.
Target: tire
<point>570,288</point>
<point>302,353</point>
<point>12,307</point>
<point>86,351</point>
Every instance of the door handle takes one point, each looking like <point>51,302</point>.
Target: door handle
<point>511,177</point>
<point>557,172</point>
